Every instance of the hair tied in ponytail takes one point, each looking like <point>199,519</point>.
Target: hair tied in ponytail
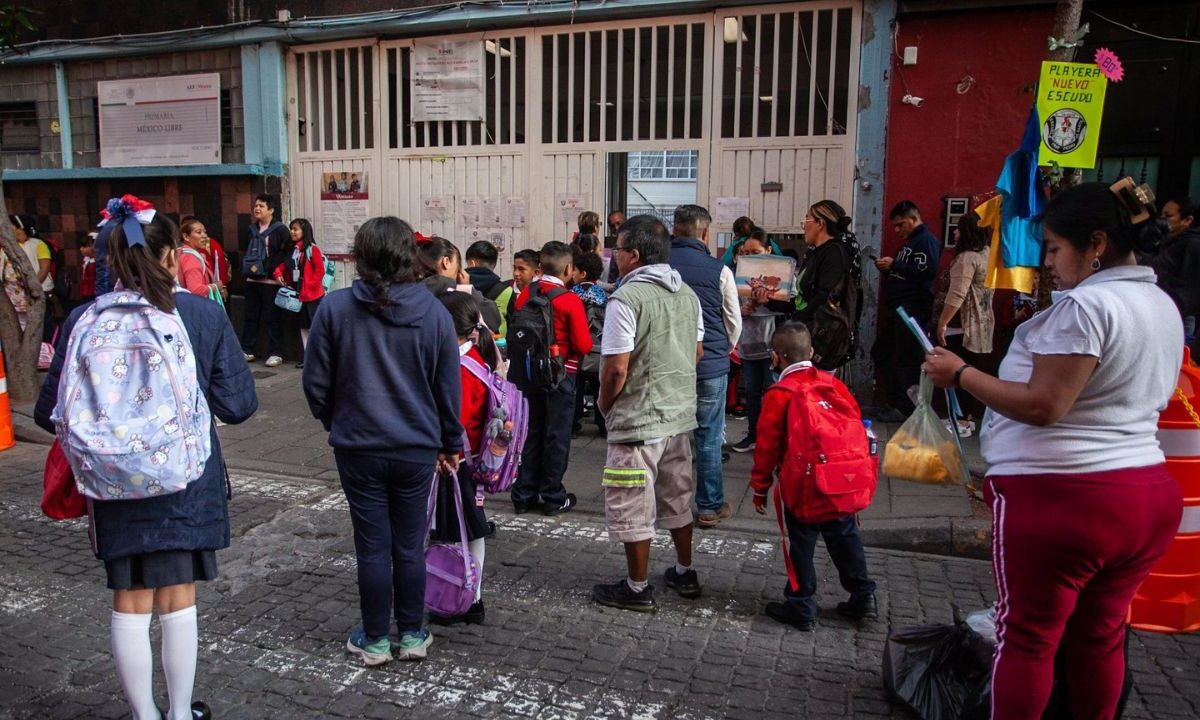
<point>1137,199</point>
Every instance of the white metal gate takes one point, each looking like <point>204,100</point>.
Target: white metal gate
<point>765,95</point>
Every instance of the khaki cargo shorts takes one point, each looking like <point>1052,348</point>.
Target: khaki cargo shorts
<point>646,484</point>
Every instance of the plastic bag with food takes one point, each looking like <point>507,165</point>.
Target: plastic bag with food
<point>923,449</point>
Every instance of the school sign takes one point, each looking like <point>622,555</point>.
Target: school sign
<point>1070,105</point>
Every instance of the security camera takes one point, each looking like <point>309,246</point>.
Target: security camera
<point>913,100</point>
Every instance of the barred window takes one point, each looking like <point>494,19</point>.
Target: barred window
<point>663,165</point>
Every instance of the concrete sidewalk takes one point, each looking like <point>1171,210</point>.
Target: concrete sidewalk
<point>283,438</point>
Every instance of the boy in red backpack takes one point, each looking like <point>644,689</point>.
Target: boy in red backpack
<point>810,434</point>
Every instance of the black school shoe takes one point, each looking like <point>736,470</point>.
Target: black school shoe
<point>788,615</point>
<point>859,609</point>
<point>620,595</point>
<point>521,508</point>
<point>567,506</point>
<point>686,585</point>
<point>200,711</point>
<point>473,616</point>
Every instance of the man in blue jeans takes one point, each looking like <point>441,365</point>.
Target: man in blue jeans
<point>713,283</point>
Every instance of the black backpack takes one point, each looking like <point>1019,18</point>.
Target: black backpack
<point>535,362</point>
<point>595,318</point>
<point>834,324</point>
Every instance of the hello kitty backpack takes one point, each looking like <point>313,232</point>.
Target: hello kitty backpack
<point>130,415</point>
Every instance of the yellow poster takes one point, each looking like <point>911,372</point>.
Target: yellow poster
<point>1070,105</point>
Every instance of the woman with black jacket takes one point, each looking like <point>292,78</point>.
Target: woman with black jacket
<point>828,296</point>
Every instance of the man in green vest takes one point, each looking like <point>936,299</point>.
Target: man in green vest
<point>652,340</point>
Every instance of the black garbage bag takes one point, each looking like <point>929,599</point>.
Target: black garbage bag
<point>936,670</point>
<point>979,707</point>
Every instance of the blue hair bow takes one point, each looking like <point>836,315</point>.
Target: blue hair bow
<point>131,213</point>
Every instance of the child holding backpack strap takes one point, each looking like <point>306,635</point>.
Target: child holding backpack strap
<point>475,344</point>
<point>811,434</point>
<point>304,272</point>
<point>155,548</point>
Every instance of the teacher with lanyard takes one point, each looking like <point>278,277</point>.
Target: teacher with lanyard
<point>1082,503</point>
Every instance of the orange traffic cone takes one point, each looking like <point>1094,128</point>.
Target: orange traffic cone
<point>6,427</point>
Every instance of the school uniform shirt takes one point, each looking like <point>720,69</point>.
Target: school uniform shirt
<point>474,412</point>
<point>35,249</point>
<point>1121,318</point>
<point>87,279</point>
<point>570,322</point>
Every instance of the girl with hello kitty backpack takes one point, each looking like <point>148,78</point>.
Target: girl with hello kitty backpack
<point>136,377</point>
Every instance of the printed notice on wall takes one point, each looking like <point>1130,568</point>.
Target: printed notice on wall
<point>470,211</point>
<point>731,208</point>
<point>490,211</point>
<point>160,121</point>
<point>447,80</point>
<point>567,208</point>
<point>434,208</point>
<point>516,210</point>
<point>343,210</point>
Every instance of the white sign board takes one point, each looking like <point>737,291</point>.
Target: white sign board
<point>344,208</point>
<point>160,121</point>
<point>447,80</point>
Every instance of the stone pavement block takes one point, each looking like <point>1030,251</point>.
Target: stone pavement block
<point>273,627</point>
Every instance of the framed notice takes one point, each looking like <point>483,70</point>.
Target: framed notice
<point>160,121</point>
<point>343,210</point>
<point>447,80</point>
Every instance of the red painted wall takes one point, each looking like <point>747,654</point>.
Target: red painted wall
<point>954,144</point>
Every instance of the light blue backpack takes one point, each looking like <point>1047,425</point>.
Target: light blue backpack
<point>130,415</point>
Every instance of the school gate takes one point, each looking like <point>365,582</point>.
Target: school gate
<point>766,96</point>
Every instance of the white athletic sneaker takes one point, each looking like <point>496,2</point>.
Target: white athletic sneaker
<point>274,361</point>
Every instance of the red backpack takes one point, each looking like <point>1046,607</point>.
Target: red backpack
<point>828,471</point>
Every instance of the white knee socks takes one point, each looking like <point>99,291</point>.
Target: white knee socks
<point>477,548</point>
<point>135,662</point>
<point>179,660</point>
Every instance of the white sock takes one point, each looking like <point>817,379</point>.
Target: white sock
<point>179,649</point>
<point>478,550</point>
<point>303,339</point>
<point>135,662</point>
<point>681,569</point>
<point>637,585</point>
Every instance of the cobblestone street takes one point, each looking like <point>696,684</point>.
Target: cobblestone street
<point>273,627</point>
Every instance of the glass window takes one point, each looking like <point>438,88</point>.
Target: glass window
<point>663,165</point>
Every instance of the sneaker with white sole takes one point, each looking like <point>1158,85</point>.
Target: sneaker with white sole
<point>249,357</point>
<point>274,361</point>
<point>412,646</point>
<point>373,651</point>
<point>744,445</point>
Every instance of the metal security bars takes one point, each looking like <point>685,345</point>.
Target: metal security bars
<point>623,84</point>
<point>503,98</point>
<point>335,93</point>
<point>786,73</point>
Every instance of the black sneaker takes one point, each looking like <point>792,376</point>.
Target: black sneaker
<point>567,506</point>
<point>620,595</point>
<point>744,445</point>
<point>521,508</point>
<point>473,616</point>
<point>686,585</point>
<point>859,609</point>
<point>788,615</point>
<point>491,530</point>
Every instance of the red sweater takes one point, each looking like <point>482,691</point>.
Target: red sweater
<point>570,323</point>
<point>218,262</point>
<point>473,411</point>
<point>312,275</point>
<point>771,435</point>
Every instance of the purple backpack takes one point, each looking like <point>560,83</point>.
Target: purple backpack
<point>451,572</point>
<point>494,467</point>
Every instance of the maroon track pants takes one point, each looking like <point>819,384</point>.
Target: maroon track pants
<point>1069,552</point>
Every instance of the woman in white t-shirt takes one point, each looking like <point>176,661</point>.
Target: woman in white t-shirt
<point>1083,505</point>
